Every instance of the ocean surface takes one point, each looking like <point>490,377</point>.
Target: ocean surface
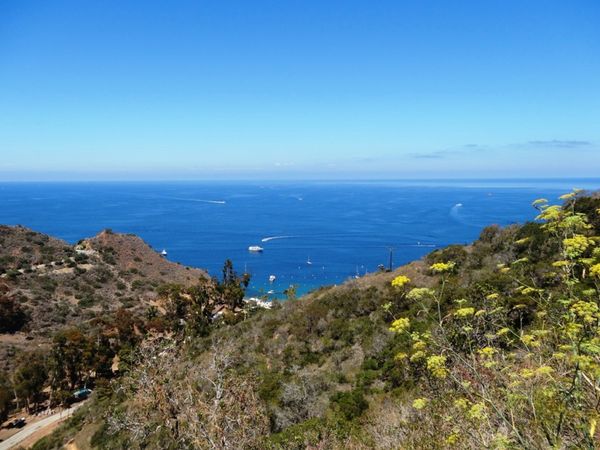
<point>313,233</point>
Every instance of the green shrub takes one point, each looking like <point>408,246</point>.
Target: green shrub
<point>349,405</point>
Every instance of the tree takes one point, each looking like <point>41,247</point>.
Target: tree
<point>291,292</point>
<point>6,396</point>
<point>233,287</point>
<point>71,354</point>
<point>29,379</point>
<point>202,300</point>
<point>125,323</point>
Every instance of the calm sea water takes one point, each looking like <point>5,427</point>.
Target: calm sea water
<point>342,228</point>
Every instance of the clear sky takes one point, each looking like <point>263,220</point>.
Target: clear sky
<point>299,89</point>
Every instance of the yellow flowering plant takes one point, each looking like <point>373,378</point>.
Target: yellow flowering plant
<point>400,325</point>
<point>523,341</point>
<point>442,267</point>
<point>400,281</point>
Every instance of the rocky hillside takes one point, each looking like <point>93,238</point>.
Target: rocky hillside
<point>55,284</point>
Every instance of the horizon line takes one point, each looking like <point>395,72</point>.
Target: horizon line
<point>292,180</point>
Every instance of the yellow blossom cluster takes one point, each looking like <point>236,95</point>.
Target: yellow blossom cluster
<point>442,267</point>
<point>502,331</point>
<point>586,311</point>
<point>461,403</point>
<point>576,245</point>
<point>465,312</point>
<point>544,370</point>
<point>530,340</point>
<point>418,294</point>
<point>401,356</point>
<point>419,345</point>
<point>487,352</point>
<point>540,371</point>
<point>477,411</point>
<point>550,213</point>
<point>399,325</point>
<point>400,281</point>
<point>452,438</point>
<point>436,364</point>
<point>420,403</point>
<point>529,290</point>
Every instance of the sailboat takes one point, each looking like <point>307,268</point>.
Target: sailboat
<point>308,261</point>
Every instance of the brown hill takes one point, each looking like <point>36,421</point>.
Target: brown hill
<point>129,253</point>
<point>57,284</point>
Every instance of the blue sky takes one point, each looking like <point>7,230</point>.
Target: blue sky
<point>299,89</point>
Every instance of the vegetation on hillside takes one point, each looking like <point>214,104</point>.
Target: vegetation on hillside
<point>495,346</point>
<point>91,353</point>
<point>47,284</point>
<point>491,345</point>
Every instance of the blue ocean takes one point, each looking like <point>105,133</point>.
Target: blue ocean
<point>312,233</point>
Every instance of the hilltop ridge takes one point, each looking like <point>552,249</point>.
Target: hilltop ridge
<point>56,284</point>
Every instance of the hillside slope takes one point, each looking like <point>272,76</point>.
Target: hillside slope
<point>492,345</point>
<point>56,284</point>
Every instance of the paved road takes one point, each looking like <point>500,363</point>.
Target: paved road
<point>28,430</point>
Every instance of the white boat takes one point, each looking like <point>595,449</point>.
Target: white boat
<point>255,248</point>
<point>272,278</point>
<point>163,253</point>
<point>308,261</point>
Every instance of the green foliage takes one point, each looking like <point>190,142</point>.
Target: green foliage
<point>6,396</point>
<point>454,253</point>
<point>269,389</point>
<point>305,434</point>
<point>349,405</point>
<point>29,379</point>
<point>232,287</point>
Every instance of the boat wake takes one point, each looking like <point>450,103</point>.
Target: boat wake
<point>272,238</point>
<point>421,244</point>
<point>456,214</point>
<point>214,202</point>
<point>455,211</point>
